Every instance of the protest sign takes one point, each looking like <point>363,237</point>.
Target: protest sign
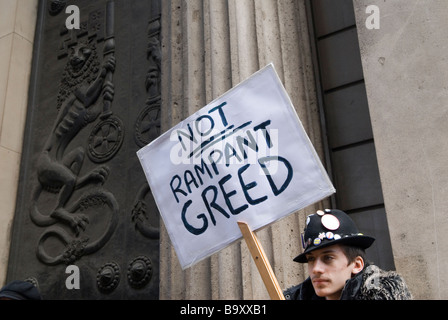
<point>243,157</point>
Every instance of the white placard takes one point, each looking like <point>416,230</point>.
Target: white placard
<point>243,157</point>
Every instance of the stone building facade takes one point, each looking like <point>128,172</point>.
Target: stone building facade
<point>371,99</point>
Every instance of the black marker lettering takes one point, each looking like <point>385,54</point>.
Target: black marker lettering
<point>285,184</point>
<point>177,189</point>
<point>213,204</point>
<point>191,136</point>
<point>249,186</point>
<point>229,152</point>
<point>214,161</point>
<point>221,113</point>
<point>265,132</point>
<point>190,180</point>
<point>227,196</point>
<point>202,169</point>
<point>198,121</point>
<point>252,144</point>
<point>190,228</point>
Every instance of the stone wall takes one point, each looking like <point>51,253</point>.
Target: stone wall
<point>406,75</point>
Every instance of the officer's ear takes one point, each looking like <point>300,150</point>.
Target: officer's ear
<point>358,265</point>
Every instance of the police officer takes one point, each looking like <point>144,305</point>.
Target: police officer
<point>335,252</point>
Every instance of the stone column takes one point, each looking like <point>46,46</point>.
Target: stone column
<point>209,47</point>
<point>17,25</point>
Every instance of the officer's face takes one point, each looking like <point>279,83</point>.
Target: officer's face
<point>329,270</point>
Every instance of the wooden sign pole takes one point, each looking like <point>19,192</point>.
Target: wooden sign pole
<point>261,261</point>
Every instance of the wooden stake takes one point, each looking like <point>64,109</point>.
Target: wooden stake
<point>261,261</point>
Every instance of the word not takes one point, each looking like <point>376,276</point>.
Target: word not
<point>207,132</point>
<point>199,124</point>
<point>373,21</point>
<point>73,280</point>
<point>73,20</point>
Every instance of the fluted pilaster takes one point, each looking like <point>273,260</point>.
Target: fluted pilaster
<point>209,46</point>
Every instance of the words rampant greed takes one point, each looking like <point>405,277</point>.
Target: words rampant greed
<point>211,144</point>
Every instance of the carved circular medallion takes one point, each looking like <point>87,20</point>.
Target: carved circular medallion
<point>139,272</point>
<point>108,277</point>
<point>147,127</point>
<point>105,139</point>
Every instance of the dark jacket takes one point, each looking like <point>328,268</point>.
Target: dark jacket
<point>370,284</point>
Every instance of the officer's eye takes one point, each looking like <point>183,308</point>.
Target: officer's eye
<point>310,258</point>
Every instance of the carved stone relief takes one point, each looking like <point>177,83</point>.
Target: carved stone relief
<point>83,199</point>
